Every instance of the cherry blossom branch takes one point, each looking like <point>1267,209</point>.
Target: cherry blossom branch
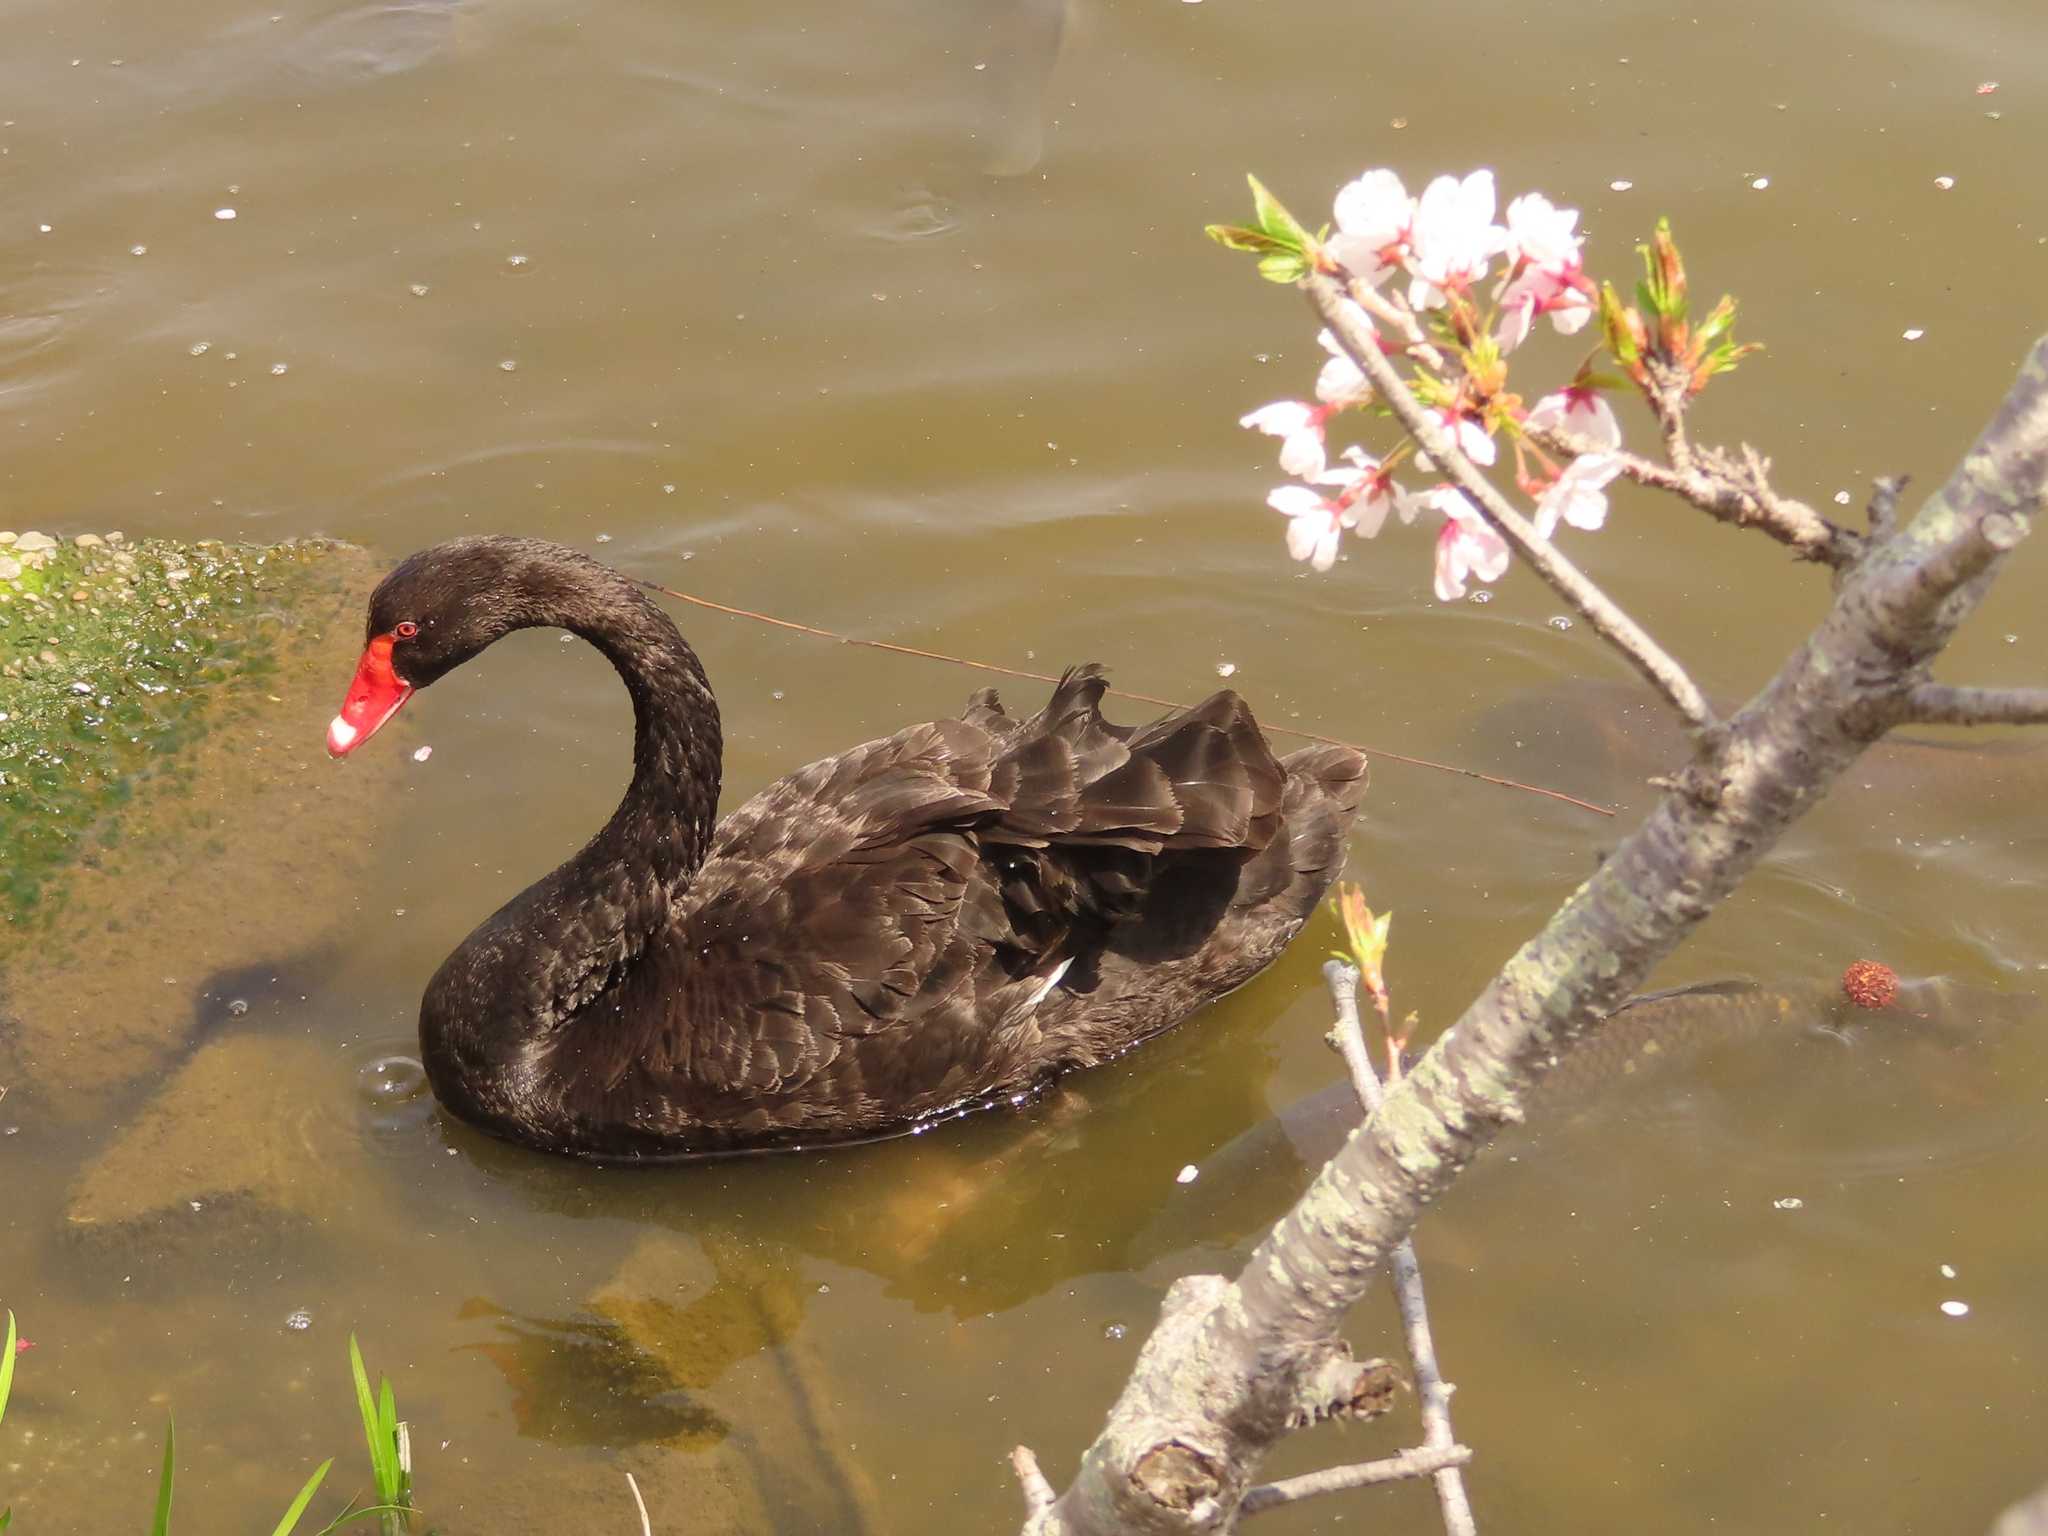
<point>1432,1392</point>
<point>1939,704</point>
<point>1739,495</point>
<point>1399,318</point>
<point>1423,1461</point>
<point>1656,665</point>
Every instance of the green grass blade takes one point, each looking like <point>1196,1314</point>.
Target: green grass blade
<point>6,1517</point>
<point>290,1521</point>
<point>7,1371</point>
<point>162,1525</point>
<point>368,1407</point>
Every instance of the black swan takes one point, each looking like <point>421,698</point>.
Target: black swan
<point>929,923</point>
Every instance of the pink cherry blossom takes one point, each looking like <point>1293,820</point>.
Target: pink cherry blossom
<point>1315,523</point>
<point>1545,276</point>
<point>1300,429</point>
<point>1454,237</point>
<point>1542,291</point>
<point>1368,493</point>
<point>1540,233</point>
<point>1465,545</point>
<point>1375,220</point>
<point>1468,434</point>
<point>1583,412</point>
<point>1579,495</point>
<point>1341,380</point>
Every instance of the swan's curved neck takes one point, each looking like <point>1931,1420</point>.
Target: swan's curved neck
<point>663,824</point>
<point>534,964</point>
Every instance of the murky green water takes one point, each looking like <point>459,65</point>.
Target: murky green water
<point>730,288</point>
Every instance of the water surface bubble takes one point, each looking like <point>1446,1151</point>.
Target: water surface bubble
<point>394,1079</point>
<point>298,1320</point>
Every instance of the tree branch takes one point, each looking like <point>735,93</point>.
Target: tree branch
<point>1938,704</point>
<point>1217,1382</point>
<point>1038,1493</point>
<point>1432,1392</point>
<point>1658,668</point>
<point>1423,1461</point>
<point>1740,496</point>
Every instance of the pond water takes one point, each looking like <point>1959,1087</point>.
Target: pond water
<point>898,320</point>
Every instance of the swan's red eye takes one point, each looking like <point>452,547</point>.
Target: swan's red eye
<point>406,630</point>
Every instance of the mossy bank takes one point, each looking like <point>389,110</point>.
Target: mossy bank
<point>166,810</point>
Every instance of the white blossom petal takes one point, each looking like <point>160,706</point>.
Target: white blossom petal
<point>1296,500</point>
<point>1302,537</point>
<point>1283,418</point>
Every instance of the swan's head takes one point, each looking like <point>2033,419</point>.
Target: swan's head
<point>441,607</point>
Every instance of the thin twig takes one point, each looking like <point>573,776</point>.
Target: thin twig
<point>1348,1033</point>
<point>646,1526</point>
<point>1742,498</point>
<point>1939,704</point>
<point>1432,1392</point>
<point>1038,1493</point>
<point>1884,506</point>
<point>1423,1461</point>
<point>1121,693</point>
<point>1657,666</point>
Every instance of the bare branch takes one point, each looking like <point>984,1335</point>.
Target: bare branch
<point>1348,1033</point>
<point>1432,1392</point>
<point>1938,704</point>
<point>1884,506</point>
<point>646,1525</point>
<point>1658,667</point>
<point>1038,1493</point>
<point>1741,498</point>
<point>1423,1461</point>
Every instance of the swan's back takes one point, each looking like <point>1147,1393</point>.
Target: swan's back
<point>947,916</point>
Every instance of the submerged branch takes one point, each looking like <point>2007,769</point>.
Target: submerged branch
<point>1938,704</point>
<point>1423,1461</point>
<point>1657,666</point>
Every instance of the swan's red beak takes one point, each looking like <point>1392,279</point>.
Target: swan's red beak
<point>372,699</point>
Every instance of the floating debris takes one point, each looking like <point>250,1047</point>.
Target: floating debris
<point>423,754</point>
<point>225,215</point>
<point>1619,186</point>
<point>1187,1175</point>
<point>1956,1308</point>
<point>1914,334</point>
<point>1870,984</point>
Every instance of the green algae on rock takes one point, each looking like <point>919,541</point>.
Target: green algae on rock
<point>160,757</point>
<point>113,657</point>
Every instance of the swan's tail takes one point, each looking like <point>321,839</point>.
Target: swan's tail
<point>1201,777</point>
